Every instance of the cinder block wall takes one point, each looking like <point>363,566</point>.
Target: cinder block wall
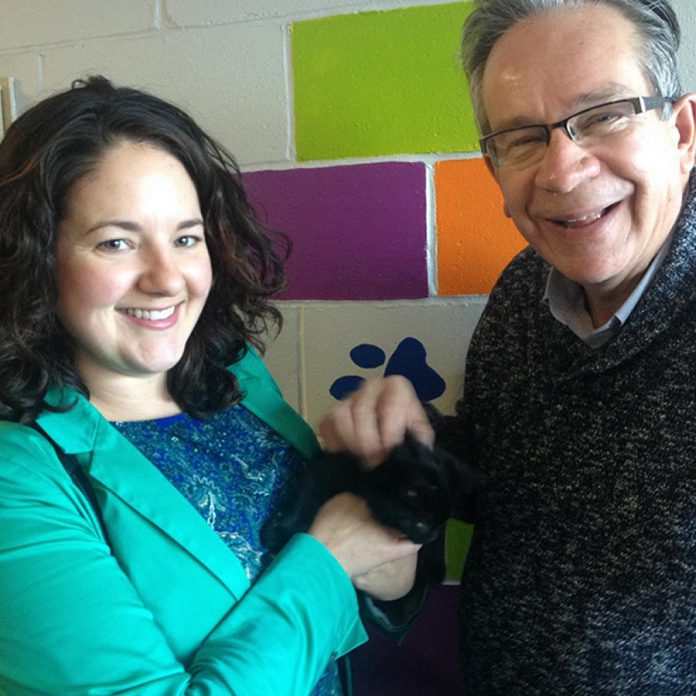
<point>351,122</point>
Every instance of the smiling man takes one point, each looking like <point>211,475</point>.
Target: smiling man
<point>579,403</point>
<point>595,194</point>
<point>580,397</point>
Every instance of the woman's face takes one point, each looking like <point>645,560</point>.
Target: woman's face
<point>132,264</point>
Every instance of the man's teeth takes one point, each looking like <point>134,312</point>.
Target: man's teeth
<point>151,314</point>
<point>580,222</point>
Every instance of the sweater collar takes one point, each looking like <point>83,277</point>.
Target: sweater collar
<point>671,294</point>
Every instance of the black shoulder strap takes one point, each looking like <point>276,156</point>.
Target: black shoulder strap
<point>78,476</point>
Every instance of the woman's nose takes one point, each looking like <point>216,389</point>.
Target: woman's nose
<point>161,274</point>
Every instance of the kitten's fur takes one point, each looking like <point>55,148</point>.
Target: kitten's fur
<point>414,490</point>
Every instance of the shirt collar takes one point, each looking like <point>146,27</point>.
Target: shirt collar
<point>566,302</point>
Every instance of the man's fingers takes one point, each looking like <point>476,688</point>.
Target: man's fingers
<point>375,418</point>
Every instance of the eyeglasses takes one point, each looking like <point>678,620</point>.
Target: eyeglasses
<point>519,147</point>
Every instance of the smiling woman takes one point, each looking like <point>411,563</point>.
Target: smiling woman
<point>143,444</point>
<point>133,275</point>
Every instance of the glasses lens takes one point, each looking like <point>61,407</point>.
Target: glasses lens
<point>601,121</point>
<point>517,146</point>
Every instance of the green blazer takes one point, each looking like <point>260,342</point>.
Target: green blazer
<point>164,607</point>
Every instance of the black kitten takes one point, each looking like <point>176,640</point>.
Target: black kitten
<point>413,490</point>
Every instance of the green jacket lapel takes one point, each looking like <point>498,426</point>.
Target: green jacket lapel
<point>119,469</point>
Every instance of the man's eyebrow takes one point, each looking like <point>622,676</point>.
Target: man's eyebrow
<point>608,93</point>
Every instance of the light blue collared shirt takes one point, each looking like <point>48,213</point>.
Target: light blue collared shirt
<point>566,301</point>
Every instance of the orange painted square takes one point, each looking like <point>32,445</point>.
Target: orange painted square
<point>475,241</point>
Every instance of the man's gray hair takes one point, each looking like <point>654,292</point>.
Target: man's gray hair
<point>655,21</point>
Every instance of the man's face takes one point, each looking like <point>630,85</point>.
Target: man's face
<point>600,214</point>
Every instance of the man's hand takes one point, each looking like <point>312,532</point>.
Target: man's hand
<point>375,418</point>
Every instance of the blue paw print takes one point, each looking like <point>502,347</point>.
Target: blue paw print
<point>409,360</point>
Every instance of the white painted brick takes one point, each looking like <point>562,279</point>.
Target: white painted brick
<point>686,11</point>
<point>229,78</point>
<point>24,67</point>
<point>36,22</point>
<point>282,355</point>
<point>332,329</point>
<point>187,13</point>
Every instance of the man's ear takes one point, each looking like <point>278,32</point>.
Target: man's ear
<point>684,115</point>
<point>494,173</point>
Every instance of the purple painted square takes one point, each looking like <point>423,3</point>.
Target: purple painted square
<point>358,232</point>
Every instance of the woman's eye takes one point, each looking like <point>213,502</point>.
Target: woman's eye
<point>113,245</point>
<point>188,240</point>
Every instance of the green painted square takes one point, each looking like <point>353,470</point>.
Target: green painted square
<point>458,540</point>
<point>382,83</point>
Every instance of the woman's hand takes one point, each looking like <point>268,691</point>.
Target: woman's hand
<point>390,580</point>
<point>377,559</point>
<point>375,418</point>
<point>369,423</point>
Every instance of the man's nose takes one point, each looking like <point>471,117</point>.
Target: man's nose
<point>565,164</point>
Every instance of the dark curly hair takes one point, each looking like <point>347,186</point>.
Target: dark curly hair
<point>43,154</point>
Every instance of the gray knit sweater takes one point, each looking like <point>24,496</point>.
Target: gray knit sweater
<point>581,578</point>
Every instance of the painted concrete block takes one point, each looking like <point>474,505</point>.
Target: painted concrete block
<point>427,340</point>
<point>230,79</point>
<point>186,13</point>
<point>475,241</point>
<point>457,543</point>
<point>379,83</point>
<point>207,12</point>
<point>426,663</point>
<point>283,354</point>
<point>24,67</point>
<point>358,232</point>
<point>686,11</point>
<point>35,22</point>
<point>426,336</point>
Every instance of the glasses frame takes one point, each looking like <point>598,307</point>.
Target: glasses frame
<point>640,106</point>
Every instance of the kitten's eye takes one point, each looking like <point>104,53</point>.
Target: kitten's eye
<point>411,494</point>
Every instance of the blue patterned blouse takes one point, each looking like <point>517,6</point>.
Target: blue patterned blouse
<point>231,468</point>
